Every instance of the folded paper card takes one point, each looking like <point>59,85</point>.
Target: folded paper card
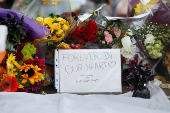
<point>88,71</point>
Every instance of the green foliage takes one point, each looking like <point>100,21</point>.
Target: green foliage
<point>15,30</point>
<point>38,15</point>
<point>133,11</point>
<point>119,24</point>
<point>53,15</point>
<point>28,51</point>
<point>9,46</point>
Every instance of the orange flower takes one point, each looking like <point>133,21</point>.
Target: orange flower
<point>9,84</point>
<point>30,72</point>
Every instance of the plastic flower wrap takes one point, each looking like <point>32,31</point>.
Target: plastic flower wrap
<point>137,7</point>
<point>54,14</point>
<point>137,76</point>
<point>154,38</point>
<point>21,28</point>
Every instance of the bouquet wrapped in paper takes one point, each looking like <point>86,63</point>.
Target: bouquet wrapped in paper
<point>57,20</point>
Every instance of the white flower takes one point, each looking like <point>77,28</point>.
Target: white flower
<point>128,50</point>
<point>149,39</point>
<point>130,54</point>
<point>126,42</point>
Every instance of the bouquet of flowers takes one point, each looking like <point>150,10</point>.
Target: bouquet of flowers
<point>137,7</point>
<point>23,71</point>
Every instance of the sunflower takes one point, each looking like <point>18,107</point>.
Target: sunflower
<point>30,72</point>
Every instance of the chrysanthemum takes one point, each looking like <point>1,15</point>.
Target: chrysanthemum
<point>10,65</point>
<point>11,60</point>
<point>12,71</point>
<point>131,53</point>
<point>9,84</point>
<point>30,72</point>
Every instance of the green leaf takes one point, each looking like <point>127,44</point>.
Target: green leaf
<point>133,11</point>
<point>38,15</point>
<point>22,19</point>
<point>115,39</point>
<point>10,47</point>
<point>8,16</point>
<point>21,24</point>
<point>119,24</point>
<point>125,66</point>
<point>18,38</point>
<point>62,16</point>
<point>43,17</point>
<point>53,15</point>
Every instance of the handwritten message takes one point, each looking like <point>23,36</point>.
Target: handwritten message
<point>90,70</point>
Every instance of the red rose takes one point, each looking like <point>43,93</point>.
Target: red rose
<point>82,29</point>
<point>76,29</point>
<point>92,28</point>
<point>91,38</point>
<point>68,38</point>
<point>81,41</point>
<point>85,35</point>
<point>77,35</point>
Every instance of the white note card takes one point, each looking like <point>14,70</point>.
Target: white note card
<point>89,70</point>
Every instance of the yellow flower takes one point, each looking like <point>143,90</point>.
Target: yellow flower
<point>63,22</point>
<point>58,2</point>
<point>48,19</point>
<point>30,72</point>
<point>49,25</point>
<point>65,27</point>
<point>59,19</point>
<point>67,23</point>
<point>58,38</point>
<point>10,65</point>
<point>40,19</point>
<point>63,46</point>
<point>21,86</point>
<point>59,32</point>
<point>11,60</point>
<point>56,26</point>
<point>140,8</point>
<point>12,71</point>
<point>153,2</point>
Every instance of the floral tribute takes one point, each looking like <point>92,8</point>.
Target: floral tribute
<point>154,38</point>
<point>57,25</point>
<point>84,33</point>
<point>23,74</point>
<point>143,7</point>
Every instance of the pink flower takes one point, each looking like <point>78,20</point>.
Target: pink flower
<point>109,28</point>
<point>117,32</point>
<point>109,38</point>
<point>106,33</point>
<point>103,42</point>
